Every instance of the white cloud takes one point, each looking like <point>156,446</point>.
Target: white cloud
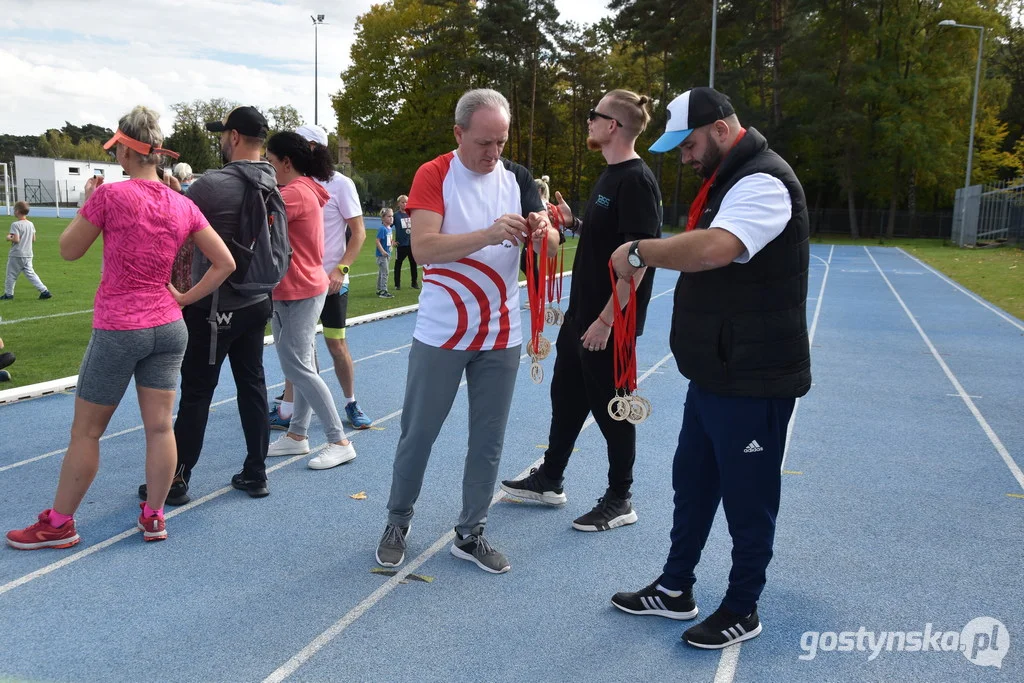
<point>90,62</point>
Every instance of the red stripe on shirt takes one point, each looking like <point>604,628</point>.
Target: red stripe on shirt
<point>460,309</point>
<point>504,324</point>
<point>481,299</point>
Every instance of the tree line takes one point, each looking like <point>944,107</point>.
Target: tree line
<point>189,137</point>
<point>869,100</point>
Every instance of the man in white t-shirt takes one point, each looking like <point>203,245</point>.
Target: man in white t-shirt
<point>471,210</point>
<point>342,210</point>
<point>739,334</point>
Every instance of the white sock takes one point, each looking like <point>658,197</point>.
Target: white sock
<point>285,410</point>
<point>350,399</point>
<point>671,594</point>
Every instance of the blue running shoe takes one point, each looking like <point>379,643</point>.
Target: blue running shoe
<point>277,422</point>
<point>356,417</point>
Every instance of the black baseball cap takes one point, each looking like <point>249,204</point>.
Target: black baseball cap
<point>246,120</point>
<point>693,109</point>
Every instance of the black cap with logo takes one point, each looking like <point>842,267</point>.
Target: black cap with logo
<point>246,120</point>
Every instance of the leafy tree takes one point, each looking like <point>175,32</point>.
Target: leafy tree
<point>23,145</point>
<point>198,148</point>
<point>283,118</point>
<point>59,145</point>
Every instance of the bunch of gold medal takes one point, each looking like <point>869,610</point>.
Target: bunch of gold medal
<point>626,404</point>
<point>554,315</point>
<point>538,348</point>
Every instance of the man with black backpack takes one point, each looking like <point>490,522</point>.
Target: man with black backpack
<point>231,322</point>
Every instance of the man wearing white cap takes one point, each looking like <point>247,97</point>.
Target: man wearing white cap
<point>343,209</point>
<point>739,333</point>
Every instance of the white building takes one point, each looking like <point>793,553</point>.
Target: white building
<point>40,180</point>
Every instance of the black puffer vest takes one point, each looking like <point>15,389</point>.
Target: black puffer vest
<point>741,330</point>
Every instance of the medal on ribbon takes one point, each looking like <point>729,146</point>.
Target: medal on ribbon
<point>538,348</point>
<point>536,372</point>
<point>556,262</point>
<point>626,404</point>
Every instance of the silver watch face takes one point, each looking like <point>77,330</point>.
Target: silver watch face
<point>634,260</point>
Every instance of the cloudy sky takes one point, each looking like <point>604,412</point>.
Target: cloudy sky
<point>89,61</point>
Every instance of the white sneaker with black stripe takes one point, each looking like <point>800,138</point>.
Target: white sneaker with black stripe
<point>656,602</point>
<point>722,629</point>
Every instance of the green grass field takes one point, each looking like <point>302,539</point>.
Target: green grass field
<point>51,346</point>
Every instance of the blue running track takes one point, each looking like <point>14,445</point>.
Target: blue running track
<point>902,511</point>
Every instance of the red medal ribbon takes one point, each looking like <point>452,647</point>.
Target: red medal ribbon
<point>701,200</point>
<point>624,331</point>
<point>535,281</point>
<point>555,285</point>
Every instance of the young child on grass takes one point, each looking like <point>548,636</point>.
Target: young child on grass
<point>21,236</point>
<point>387,217</point>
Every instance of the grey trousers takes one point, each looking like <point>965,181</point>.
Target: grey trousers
<point>433,380</point>
<point>294,327</point>
<point>382,273</point>
<point>16,265</point>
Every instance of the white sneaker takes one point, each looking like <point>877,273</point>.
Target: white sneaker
<point>332,456</point>
<point>288,446</point>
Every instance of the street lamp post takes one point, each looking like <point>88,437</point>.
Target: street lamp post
<point>977,84</point>
<point>317,20</point>
<point>714,32</point>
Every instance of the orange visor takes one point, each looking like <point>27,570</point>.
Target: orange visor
<point>142,148</point>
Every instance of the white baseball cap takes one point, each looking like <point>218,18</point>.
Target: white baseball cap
<point>313,134</point>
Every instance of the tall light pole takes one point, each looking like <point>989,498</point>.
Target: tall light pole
<point>977,84</point>
<point>317,20</point>
<point>714,32</point>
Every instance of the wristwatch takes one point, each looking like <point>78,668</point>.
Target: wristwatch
<point>634,257</point>
<point>344,269</point>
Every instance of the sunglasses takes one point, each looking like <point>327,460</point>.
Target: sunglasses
<point>595,114</point>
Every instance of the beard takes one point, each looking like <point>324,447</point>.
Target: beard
<point>710,161</point>
<point>225,154</point>
<point>593,145</point>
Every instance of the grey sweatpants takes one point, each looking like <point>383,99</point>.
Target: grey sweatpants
<point>16,265</point>
<point>382,273</point>
<point>433,380</point>
<point>294,327</point>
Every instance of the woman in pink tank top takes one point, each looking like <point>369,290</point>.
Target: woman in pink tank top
<point>138,331</point>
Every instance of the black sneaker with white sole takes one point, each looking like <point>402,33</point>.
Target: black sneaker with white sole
<point>722,629</point>
<point>535,486</point>
<point>609,513</point>
<point>654,602</point>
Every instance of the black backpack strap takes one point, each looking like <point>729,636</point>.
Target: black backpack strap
<point>213,326</point>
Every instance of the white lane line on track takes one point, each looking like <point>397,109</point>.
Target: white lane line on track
<point>966,292</point>
<point>727,663</point>
<point>137,428</point>
<point>985,427</point>
<point>318,643</point>
<point>44,317</point>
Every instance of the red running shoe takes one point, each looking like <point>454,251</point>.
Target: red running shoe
<point>152,528</point>
<point>42,534</point>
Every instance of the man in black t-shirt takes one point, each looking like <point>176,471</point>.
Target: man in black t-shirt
<point>624,205</point>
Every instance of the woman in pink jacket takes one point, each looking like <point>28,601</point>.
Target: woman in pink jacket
<point>300,296</point>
